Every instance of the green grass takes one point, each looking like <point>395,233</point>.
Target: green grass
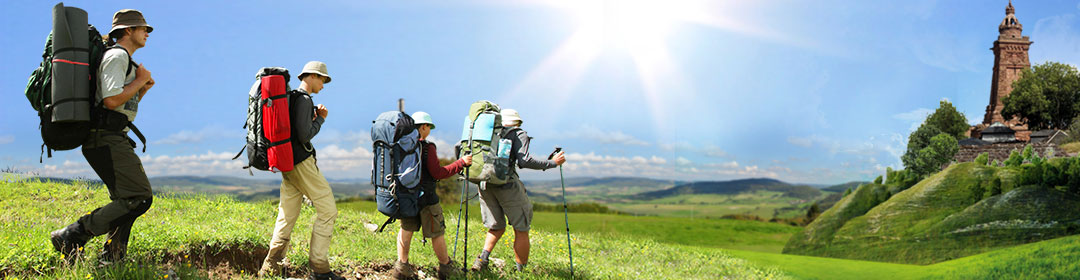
<point>941,218</point>
<point>189,230</point>
<point>1050,259</point>
<point>761,203</point>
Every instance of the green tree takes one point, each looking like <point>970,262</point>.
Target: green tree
<point>1014,159</point>
<point>847,192</point>
<point>949,120</point>
<point>1046,96</point>
<point>917,141</point>
<point>941,150</point>
<point>982,158</point>
<point>946,119</point>
<point>878,180</point>
<point>994,188</point>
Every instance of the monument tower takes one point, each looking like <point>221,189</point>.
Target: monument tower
<point>1010,59</point>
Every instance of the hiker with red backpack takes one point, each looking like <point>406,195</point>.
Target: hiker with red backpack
<point>304,179</point>
<point>430,217</point>
<point>108,149</point>
<point>508,203</point>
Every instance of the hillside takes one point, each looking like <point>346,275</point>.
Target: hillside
<point>946,216</point>
<point>736,187</point>
<point>200,237</point>
<point>844,187</point>
<point>246,189</point>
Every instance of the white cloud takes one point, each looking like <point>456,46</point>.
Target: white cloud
<point>683,161</point>
<point>208,133</point>
<point>915,117</point>
<point>591,133</point>
<point>804,142</point>
<point>7,139</point>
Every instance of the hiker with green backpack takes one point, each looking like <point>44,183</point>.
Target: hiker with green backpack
<point>108,149</point>
<point>430,217</point>
<point>508,203</point>
<point>304,179</point>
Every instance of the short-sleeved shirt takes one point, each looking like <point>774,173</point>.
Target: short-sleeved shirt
<point>113,76</point>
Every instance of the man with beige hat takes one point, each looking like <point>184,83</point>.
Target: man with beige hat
<point>305,180</point>
<point>108,149</point>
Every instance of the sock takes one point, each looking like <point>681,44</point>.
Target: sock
<point>484,255</point>
<point>520,266</point>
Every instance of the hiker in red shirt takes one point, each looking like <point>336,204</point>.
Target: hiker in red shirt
<point>430,218</point>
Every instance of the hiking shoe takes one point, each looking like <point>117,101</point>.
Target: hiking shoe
<point>403,271</point>
<point>447,270</point>
<point>69,241</point>
<point>480,264</point>
<point>326,276</point>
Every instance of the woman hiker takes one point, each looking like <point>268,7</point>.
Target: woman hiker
<point>431,212</point>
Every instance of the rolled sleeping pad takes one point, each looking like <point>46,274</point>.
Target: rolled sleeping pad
<point>276,123</point>
<point>70,65</point>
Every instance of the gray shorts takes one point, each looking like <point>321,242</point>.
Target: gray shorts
<point>499,204</point>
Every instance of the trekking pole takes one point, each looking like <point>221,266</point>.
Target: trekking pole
<point>465,203</point>
<point>566,216</point>
<point>457,227</point>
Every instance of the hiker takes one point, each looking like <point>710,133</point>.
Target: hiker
<point>431,212</point>
<point>108,149</point>
<point>500,204</point>
<point>305,179</point>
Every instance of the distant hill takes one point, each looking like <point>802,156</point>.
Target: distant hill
<point>736,187</point>
<point>843,187</point>
<point>945,216</point>
<point>247,189</point>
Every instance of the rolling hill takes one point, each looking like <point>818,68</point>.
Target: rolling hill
<point>943,217</point>
<point>736,187</point>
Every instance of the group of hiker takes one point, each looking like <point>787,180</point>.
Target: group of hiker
<point>404,173</point>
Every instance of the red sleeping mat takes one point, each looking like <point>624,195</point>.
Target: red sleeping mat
<point>275,117</point>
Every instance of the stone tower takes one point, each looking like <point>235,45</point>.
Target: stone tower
<point>1010,59</point>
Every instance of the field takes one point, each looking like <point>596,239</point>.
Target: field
<point>197,237</point>
<point>765,204</point>
<point>200,237</point>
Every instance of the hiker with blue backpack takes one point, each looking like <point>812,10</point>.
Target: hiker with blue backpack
<point>304,179</point>
<point>107,148</point>
<point>508,203</point>
<point>430,217</point>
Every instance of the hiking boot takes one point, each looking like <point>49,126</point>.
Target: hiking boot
<point>69,241</point>
<point>271,268</point>
<point>447,270</point>
<point>403,271</point>
<point>326,276</point>
<point>116,242</point>
<point>480,264</point>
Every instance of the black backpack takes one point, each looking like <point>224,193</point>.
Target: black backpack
<point>67,135</point>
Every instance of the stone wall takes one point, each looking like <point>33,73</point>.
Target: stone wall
<point>1000,151</point>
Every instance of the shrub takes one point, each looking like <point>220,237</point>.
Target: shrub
<point>1014,159</point>
<point>982,158</point>
<point>994,188</point>
<point>877,180</point>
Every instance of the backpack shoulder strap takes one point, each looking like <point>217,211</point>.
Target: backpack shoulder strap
<point>131,62</point>
<point>388,221</point>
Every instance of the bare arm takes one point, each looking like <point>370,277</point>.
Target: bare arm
<point>142,77</point>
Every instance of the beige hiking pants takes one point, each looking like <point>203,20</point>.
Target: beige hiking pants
<point>304,180</point>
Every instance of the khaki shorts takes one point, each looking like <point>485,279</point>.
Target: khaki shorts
<point>506,203</point>
<point>430,220</point>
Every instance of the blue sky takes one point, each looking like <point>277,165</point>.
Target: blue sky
<point>802,91</point>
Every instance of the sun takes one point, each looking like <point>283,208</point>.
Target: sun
<point>637,27</point>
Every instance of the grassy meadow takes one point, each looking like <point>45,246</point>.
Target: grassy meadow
<point>197,237</point>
